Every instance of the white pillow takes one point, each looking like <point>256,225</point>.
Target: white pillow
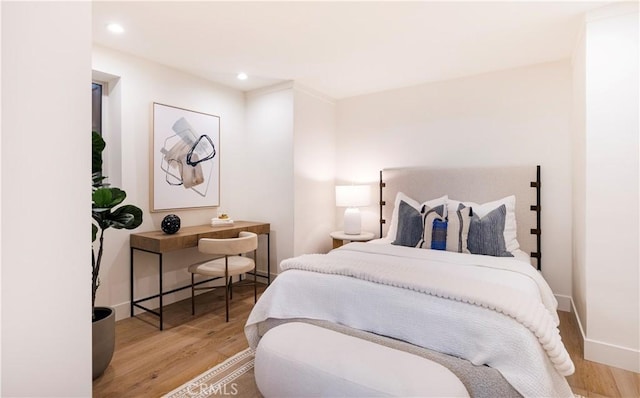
<point>400,196</point>
<point>510,228</point>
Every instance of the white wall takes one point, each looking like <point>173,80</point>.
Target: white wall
<point>0,206</point>
<point>139,84</point>
<point>291,146</point>
<point>314,170</point>
<point>258,153</point>
<point>46,293</point>
<point>269,182</point>
<point>610,234</point>
<point>512,117</point>
<point>578,119</point>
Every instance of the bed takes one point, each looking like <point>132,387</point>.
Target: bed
<point>454,279</point>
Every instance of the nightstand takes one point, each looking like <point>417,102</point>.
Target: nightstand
<point>339,237</point>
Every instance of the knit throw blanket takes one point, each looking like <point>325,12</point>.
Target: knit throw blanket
<point>468,280</point>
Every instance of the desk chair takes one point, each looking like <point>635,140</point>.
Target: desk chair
<point>228,266</point>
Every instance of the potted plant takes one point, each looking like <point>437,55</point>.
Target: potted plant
<point>105,214</point>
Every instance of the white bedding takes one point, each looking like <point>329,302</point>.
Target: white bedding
<point>493,311</point>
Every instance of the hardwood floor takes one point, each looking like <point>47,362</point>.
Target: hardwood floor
<point>150,363</point>
<point>592,379</point>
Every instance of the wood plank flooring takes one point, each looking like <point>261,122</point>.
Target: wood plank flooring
<point>150,363</point>
<point>592,379</point>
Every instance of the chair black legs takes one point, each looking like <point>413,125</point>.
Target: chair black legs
<point>227,285</point>
<point>228,288</point>
<point>193,304</point>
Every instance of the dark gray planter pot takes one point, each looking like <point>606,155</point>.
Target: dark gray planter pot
<point>104,339</point>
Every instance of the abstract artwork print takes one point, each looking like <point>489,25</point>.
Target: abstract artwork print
<point>186,159</point>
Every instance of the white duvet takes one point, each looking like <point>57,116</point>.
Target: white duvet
<point>491,311</point>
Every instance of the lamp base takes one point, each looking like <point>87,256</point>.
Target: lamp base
<point>352,221</point>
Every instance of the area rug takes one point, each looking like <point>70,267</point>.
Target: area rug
<point>233,377</point>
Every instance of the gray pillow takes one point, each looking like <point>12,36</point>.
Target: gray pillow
<point>409,225</point>
<point>486,234</point>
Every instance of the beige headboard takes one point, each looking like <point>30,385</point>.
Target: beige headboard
<point>478,185</point>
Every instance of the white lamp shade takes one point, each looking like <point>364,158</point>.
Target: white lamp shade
<point>352,195</point>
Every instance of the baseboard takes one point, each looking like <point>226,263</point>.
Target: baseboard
<point>564,302</point>
<point>612,355</point>
<point>605,353</point>
<point>123,310</point>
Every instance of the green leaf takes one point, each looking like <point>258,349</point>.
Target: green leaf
<point>97,180</point>
<point>127,216</point>
<point>102,218</point>
<point>98,145</point>
<point>107,198</point>
<point>121,220</point>
<point>101,197</point>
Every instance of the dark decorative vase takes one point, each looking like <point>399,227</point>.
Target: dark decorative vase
<point>104,339</point>
<point>170,224</point>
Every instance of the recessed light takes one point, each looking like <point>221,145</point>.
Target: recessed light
<point>115,28</point>
<point>242,76</point>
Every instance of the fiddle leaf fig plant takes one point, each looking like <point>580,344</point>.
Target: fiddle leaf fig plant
<point>105,212</point>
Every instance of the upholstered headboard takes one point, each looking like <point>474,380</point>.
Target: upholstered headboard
<point>478,185</point>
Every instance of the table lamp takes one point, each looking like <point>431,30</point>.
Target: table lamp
<point>352,197</point>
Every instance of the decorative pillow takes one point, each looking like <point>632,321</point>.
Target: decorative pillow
<point>486,234</point>
<point>429,216</point>
<point>458,228</point>
<point>510,228</point>
<point>439,235</point>
<point>409,225</point>
<point>401,197</point>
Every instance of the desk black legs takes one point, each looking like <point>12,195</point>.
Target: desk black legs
<point>159,313</point>
<point>160,288</point>
<point>131,280</point>
<point>160,295</point>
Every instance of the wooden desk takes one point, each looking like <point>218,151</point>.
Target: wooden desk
<point>158,242</point>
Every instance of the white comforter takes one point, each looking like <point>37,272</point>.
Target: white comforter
<point>493,311</point>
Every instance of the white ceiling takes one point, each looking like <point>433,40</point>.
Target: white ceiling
<point>342,49</point>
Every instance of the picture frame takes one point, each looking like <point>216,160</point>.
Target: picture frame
<point>185,161</point>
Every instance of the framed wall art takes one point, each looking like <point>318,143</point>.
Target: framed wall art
<point>185,169</point>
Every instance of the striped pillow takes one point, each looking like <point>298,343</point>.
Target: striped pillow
<point>429,215</point>
<point>482,209</point>
<point>409,229</point>
<point>486,234</point>
<point>401,197</point>
<point>458,229</point>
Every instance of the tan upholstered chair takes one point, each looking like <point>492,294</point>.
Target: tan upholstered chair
<point>230,265</point>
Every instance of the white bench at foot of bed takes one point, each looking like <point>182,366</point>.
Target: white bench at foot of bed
<point>302,360</point>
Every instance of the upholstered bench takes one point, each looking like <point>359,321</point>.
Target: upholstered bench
<point>302,360</point>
